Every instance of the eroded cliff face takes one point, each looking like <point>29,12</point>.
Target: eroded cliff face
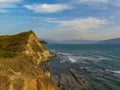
<point>28,69</point>
<point>36,50</point>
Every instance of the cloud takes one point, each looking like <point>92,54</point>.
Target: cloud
<point>76,23</point>
<point>89,2</point>
<point>115,3</point>
<point>81,23</point>
<point>47,8</point>
<point>102,1</point>
<point>9,1</point>
<point>79,28</point>
<point>3,11</point>
<point>4,4</point>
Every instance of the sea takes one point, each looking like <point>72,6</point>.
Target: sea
<point>98,64</point>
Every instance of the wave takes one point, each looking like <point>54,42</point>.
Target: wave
<point>112,71</point>
<point>67,57</point>
<point>73,59</point>
<point>63,53</point>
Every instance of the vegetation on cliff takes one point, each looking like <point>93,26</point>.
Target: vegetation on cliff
<point>10,45</point>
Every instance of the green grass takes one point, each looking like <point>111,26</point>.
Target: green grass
<point>14,42</point>
<point>7,54</point>
<point>11,44</point>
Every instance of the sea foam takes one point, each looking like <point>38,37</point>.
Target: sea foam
<point>67,57</point>
<point>118,72</point>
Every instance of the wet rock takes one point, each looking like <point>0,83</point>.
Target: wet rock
<point>66,82</point>
<point>74,81</point>
<point>78,77</point>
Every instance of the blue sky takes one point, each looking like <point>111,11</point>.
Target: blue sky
<point>62,19</point>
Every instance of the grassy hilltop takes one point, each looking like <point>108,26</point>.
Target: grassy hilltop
<point>12,44</point>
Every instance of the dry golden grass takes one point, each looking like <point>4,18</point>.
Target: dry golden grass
<point>4,82</point>
<point>19,64</point>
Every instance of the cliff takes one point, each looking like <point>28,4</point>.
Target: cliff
<point>24,63</point>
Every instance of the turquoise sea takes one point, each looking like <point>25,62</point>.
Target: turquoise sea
<point>98,64</point>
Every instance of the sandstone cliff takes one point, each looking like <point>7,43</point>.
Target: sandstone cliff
<point>24,63</point>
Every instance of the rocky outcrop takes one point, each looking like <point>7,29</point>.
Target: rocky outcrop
<point>24,63</point>
<point>66,82</point>
<point>78,77</point>
<point>74,81</point>
<point>35,49</point>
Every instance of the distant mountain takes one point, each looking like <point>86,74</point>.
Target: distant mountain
<point>52,42</point>
<point>78,42</point>
<point>110,41</point>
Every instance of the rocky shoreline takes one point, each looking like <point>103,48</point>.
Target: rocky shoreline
<point>66,82</point>
<point>74,81</point>
<point>67,78</point>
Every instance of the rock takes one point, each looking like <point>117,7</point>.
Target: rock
<point>78,77</point>
<point>71,82</point>
<point>45,66</point>
<point>43,42</point>
<point>53,54</point>
<point>66,82</point>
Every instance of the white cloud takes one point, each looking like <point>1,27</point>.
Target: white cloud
<point>3,11</point>
<point>8,3</point>
<point>88,2</point>
<point>115,3</point>
<point>79,28</point>
<point>47,8</point>
<point>77,23</point>
<point>102,1</point>
<point>84,23</point>
<point>95,2</point>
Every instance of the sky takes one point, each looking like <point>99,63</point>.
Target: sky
<point>62,19</point>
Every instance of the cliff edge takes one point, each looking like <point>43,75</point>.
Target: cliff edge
<point>24,63</point>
